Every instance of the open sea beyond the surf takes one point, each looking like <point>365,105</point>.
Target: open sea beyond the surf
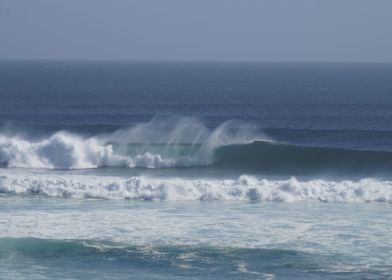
<point>185,170</point>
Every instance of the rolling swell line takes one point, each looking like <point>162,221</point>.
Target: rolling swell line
<point>261,155</point>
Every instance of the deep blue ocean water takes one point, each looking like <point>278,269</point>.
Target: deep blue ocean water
<point>195,170</point>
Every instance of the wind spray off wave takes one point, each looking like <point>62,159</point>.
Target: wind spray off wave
<point>184,142</point>
<point>169,142</point>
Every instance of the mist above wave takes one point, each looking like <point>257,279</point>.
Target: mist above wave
<point>159,143</point>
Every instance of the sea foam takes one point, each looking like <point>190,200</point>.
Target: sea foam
<point>244,188</point>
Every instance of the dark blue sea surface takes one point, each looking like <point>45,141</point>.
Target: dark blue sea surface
<point>195,170</point>
<point>274,95</point>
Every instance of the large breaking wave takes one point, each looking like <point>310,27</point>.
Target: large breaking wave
<point>173,142</point>
<point>181,142</point>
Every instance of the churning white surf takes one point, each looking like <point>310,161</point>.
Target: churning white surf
<point>65,150</point>
<point>245,188</point>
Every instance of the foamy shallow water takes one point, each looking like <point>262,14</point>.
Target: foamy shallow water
<point>193,238</point>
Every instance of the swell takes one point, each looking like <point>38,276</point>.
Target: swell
<point>118,259</point>
<point>39,247</point>
<point>100,259</point>
<point>272,156</point>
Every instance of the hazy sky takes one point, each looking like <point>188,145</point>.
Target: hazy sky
<point>267,30</point>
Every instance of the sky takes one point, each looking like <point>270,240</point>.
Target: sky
<point>244,30</point>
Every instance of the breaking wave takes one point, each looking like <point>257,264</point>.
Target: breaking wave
<point>245,188</point>
<point>182,142</point>
<point>173,142</point>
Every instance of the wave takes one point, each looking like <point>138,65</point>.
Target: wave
<point>159,143</point>
<point>98,259</point>
<point>182,142</point>
<point>272,156</point>
<point>245,188</point>
<point>40,247</point>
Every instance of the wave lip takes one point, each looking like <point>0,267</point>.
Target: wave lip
<point>245,188</point>
<point>156,144</point>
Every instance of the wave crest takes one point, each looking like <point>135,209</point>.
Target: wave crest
<point>156,144</point>
<point>184,142</point>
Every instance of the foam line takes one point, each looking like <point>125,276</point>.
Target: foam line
<point>245,188</point>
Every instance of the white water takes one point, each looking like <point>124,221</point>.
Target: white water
<point>359,232</point>
<point>245,188</point>
<point>65,150</point>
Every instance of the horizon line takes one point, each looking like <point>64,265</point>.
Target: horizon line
<point>197,61</point>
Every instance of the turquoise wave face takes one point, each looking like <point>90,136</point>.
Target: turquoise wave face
<point>286,158</point>
<point>87,259</point>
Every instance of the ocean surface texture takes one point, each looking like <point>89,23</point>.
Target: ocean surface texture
<point>142,170</point>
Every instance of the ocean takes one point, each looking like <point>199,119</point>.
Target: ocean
<point>195,170</point>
